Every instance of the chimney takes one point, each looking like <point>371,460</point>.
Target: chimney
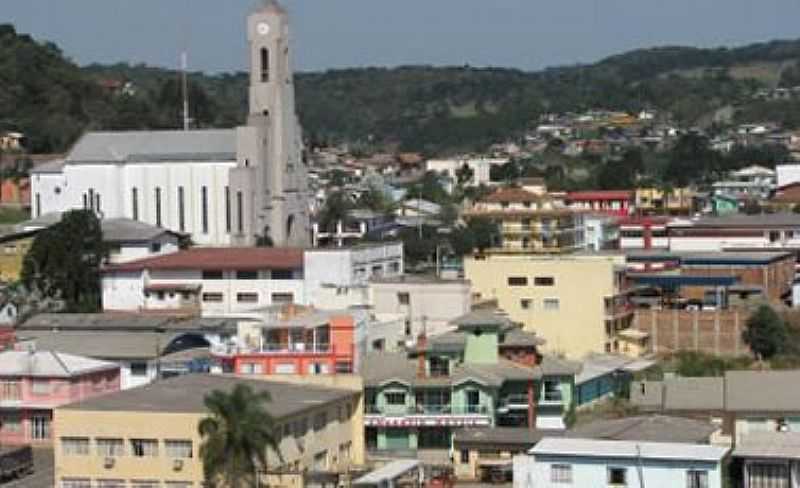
<point>422,344</point>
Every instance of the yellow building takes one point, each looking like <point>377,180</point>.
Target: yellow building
<point>652,200</point>
<point>147,437</point>
<point>13,248</point>
<point>575,302</point>
<point>529,219</point>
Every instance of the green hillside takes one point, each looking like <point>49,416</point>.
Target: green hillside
<point>433,109</point>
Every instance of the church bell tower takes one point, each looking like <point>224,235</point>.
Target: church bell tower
<point>268,201</point>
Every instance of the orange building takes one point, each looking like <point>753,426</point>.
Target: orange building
<point>294,340</point>
<point>15,192</point>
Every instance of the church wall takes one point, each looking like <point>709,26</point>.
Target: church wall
<point>51,188</point>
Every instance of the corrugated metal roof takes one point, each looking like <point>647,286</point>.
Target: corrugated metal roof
<point>767,391</point>
<point>591,448</point>
<point>155,146</point>
<point>49,364</point>
<point>769,445</point>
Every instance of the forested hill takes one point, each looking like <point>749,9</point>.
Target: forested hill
<point>435,109</point>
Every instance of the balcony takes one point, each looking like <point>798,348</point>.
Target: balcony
<point>294,349</point>
<point>428,416</point>
<point>514,401</point>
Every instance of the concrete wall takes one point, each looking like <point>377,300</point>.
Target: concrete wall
<point>580,285</point>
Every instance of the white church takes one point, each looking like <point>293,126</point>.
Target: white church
<point>222,187</point>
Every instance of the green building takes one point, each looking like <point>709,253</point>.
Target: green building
<point>486,373</point>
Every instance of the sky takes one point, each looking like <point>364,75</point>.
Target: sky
<point>524,34</point>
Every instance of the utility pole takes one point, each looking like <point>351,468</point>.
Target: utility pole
<point>185,90</point>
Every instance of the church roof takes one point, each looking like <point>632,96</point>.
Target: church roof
<point>155,146</point>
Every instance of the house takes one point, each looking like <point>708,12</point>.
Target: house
<point>619,203</point>
<point>600,232</point>
<point>14,247</point>
<point>767,459</point>
<point>291,339</point>
<point>576,302</point>
<point>337,277</point>
<point>787,173</point>
<point>487,373</point>
<point>143,347</point>
<point>761,401</point>
<point>605,375</point>
<point>480,452</point>
<point>11,141</point>
<point>643,233</point>
<point>678,201</point>
<point>736,231</point>
<point>34,382</point>
<point>417,207</point>
<point>212,281</point>
<point>357,224</point>
<point>480,168</point>
<point>150,434</point>
<point>555,461</point>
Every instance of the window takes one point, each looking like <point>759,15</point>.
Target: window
<point>144,447</point>
<point>134,203</point>
<point>158,207</point>
<point>181,210</point>
<point>394,267</point>
<point>395,398</point>
<point>91,199</point>
<point>525,303</point>
<point>85,202</point>
<point>76,483</point>
<point>517,281</point>
<point>552,391</point>
<point>377,270</point>
<point>107,447</point>
<point>139,368</point>
<point>252,368</point>
<point>344,451</point>
<point>10,390</point>
<point>403,298</point>
<point>228,209</point>
<point>551,304</point>
<point>264,64</point>
<point>285,368</point>
<point>111,483</point>
<point>212,297</point>
<point>97,203</point>
<point>281,274</point>
<point>439,366</point>
<point>212,274</point>
<point>344,367</point>
<point>278,298</point>
<point>544,281</point>
<point>178,448</point>
<point>247,297</point>
<point>204,207</point>
<point>40,387</point>
<point>239,212</point>
<point>561,473</point>
<point>300,427</point>
<point>696,478</point>
<point>320,421</point>
<point>155,247</point>
<point>12,422</point>
<point>464,456</point>
<point>617,476</point>
<point>74,446</point>
<point>38,205</point>
<point>246,275</point>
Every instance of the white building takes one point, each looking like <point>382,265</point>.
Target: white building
<point>221,186</point>
<point>787,174</point>
<point>217,281</point>
<point>557,462</point>
<point>480,167</point>
<point>337,277</point>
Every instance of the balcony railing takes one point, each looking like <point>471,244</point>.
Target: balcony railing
<point>275,349</point>
<point>428,410</point>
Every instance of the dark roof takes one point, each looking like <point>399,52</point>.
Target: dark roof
<point>118,322</point>
<point>482,318</point>
<point>555,366</point>
<point>521,437</point>
<point>722,258</point>
<point>745,220</point>
<point>768,445</point>
<point>185,394</point>
<point>762,391</point>
<point>648,428</point>
<point>129,230</point>
<point>108,345</point>
<point>221,258</point>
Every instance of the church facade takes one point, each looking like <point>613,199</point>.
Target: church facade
<point>223,187</point>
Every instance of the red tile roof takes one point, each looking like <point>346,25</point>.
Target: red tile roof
<point>510,195</point>
<point>600,195</point>
<point>219,258</point>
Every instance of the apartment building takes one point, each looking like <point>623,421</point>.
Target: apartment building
<point>576,302</point>
<point>148,436</point>
<point>33,383</point>
<point>487,373</point>
<point>212,281</point>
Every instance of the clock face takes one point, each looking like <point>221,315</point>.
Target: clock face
<point>262,28</point>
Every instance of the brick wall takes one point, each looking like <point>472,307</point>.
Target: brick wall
<point>713,332</point>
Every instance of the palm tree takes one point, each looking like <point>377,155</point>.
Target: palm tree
<point>236,436</point>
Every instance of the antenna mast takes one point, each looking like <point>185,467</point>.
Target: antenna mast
<point>185,90</point>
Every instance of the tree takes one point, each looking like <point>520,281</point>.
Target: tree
<point>236,436</point>
<point>464,175</point>
<point>477,234</point>
<point>766,332</point>
<point>64,261</point>
<point>335,210</point>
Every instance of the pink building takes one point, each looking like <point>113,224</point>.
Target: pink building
<point>32,383</point>
<point>618,203</point>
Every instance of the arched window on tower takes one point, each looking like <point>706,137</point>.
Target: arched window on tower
<point>264,64</point>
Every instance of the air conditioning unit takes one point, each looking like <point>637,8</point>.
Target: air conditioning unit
<point>177,464</point>
<point>108,462</point>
